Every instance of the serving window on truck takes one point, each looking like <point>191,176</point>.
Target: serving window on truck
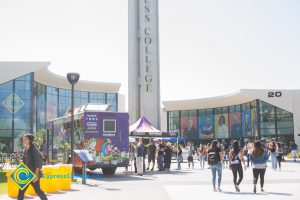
<point>109,126</point>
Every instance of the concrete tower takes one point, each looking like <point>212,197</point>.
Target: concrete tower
<point>143,66</point>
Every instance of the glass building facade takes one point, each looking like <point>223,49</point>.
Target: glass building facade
<point>26,106</point>
<point>256,119</point>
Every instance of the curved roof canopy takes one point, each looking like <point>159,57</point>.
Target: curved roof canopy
<point>12,70</point>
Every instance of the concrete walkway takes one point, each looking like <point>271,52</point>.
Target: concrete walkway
<point>183,184</point>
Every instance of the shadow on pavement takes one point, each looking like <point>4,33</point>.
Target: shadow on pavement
<point>251,193</point>
<point>105,188</point>
<point>280,193</point>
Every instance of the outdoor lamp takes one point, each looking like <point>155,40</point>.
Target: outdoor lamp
<point>73,78</point>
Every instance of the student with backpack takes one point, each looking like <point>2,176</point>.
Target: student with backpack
<point>236,158</point>
<point>214,158</point>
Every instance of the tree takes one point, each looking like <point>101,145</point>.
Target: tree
<point>39,138</point>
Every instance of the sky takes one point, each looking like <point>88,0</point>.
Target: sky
<point>207,47</point>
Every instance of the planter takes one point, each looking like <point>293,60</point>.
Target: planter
<point>3,178</point>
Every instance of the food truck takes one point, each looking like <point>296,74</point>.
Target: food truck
<point>104,134</point>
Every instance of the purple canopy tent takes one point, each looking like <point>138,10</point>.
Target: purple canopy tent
<point>143,128</point>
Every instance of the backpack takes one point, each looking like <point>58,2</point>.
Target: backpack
<point>236,159</point>
<point>212,158</point>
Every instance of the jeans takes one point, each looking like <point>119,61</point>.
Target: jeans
<point>37,189</point>
<point>237,170</point>
<point>139,165</point>
<point>256,174</point>
<point>202,161</point>
<point>214,170</point>
<point>178,162</point>
<point>274,161</point>
<point>160,162</point>
<point>279,159</point>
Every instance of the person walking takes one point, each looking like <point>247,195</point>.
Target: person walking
<point>160,156</point>
<point>32,159</point>
<point>168,156</point>
<point>259,158</point>
<point>279,154</point>
<point>214,158</point>
<point>139,157</point>
<point>272,152</point>
<point>294,150</point>
<point>151,155</point>
<point>206,150</point>
<point>236,157</point>
<point>178,157</point>
<point>249,151</point>
<point>202,154</point>
<point>190,152</point>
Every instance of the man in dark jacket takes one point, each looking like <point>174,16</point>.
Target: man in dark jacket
<point>32,160</point>
<point>151,155</point>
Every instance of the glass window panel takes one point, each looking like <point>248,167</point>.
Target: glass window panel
<point>218,111</point>
<point>201,112</point>
<point>6,144</point>
<point>6,93</point>
<point>267,125</point>
<point>6,133</point>
<point>84,95</point>
<point>286,131</point>
<point>267,132</point>
<point>224,110</point>
<point>52,103</point>
<point>184,113</point>
<point>253,104</point>
<point>209,111</point>
<point>26,77</point>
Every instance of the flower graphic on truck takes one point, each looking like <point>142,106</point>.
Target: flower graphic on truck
<point>103,151</point>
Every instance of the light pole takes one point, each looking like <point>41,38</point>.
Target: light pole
<point>73,78</point>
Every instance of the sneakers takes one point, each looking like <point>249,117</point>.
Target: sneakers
<point>219,190</point>
<point>262,190</point>
<point>237,189</point>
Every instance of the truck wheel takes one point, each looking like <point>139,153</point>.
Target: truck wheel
<point>92,168</point>
<point>108,171</point>
<point>77,170</point>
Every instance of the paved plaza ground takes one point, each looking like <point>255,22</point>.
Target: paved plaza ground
<point>184,184</point>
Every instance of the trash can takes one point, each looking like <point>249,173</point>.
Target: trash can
<point>49,181</point>
<point>65,177</point>
<point>12,189</point>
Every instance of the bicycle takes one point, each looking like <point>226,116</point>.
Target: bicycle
<point>14,159</point>
<point>3,159</point>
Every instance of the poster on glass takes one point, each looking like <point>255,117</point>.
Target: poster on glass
<point>221,123</point>
<point>246,123</point>
<point>235,125</point>
<point>206,126</point>
<point>189,127</point>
